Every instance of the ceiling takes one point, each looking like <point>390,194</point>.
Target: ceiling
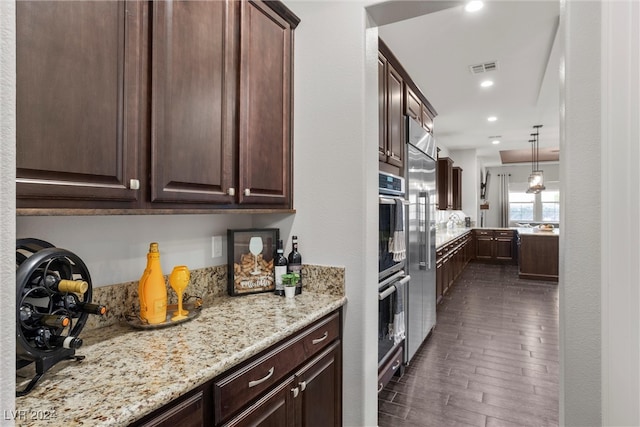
<point>438,48</point>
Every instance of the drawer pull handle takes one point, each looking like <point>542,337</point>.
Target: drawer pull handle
<point>261,380</point>
<point>395,366</point>
<point>295,392</point>
<point>303,385</point>
<point>319,340</point>
<point>380,387</point>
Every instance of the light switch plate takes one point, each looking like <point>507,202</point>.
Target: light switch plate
<point>216,246</point>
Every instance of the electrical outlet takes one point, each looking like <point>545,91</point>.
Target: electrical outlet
<point>216,246</point>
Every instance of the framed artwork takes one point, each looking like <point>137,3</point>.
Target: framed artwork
<point>250,260</point>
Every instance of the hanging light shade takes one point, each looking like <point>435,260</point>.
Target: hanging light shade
<point>536,179</point>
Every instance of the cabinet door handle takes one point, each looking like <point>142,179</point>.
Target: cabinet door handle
<point>295,391</point>
<point>388,153</point>
<point>380,387</point>
<point>395,365</point>
<point>319,340</point>
<point>247,192</point>
<point>303,385</point>
<point>261,380</point>
<point>134,184</point>
<point>231,191</point>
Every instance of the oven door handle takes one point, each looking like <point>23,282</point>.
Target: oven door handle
<point>384,294</point>
<point>391,289</point>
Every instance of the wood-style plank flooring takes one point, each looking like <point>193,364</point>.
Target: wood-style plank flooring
<point>492,359</point>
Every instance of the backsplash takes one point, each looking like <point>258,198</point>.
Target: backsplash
<point>208,283</point>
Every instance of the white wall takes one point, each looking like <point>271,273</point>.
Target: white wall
<point>620,232</point>
<point>7,207</point>
<point>580,222</point>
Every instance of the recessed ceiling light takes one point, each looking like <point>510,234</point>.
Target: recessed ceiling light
<point>487,83</point>
<point>495,142</point>
<point>492,118</point>
<point>474,6</point>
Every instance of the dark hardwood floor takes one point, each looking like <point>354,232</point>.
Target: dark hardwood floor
<point>492,359</point>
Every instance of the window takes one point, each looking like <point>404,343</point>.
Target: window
<point>550,205</point>
<point>526,207</point>
<point>521,206</point>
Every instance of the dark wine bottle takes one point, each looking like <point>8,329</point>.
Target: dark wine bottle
<point>295,263</point>
<point>30,316</point>
<point>280,267</point>
<point>55,320</point>
<point>73,304</point>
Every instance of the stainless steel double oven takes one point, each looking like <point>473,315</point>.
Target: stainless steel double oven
<point>393,282</point>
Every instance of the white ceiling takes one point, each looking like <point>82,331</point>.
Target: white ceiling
<point>437,49</point>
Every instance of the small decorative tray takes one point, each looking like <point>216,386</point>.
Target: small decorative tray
<point>194,308</point>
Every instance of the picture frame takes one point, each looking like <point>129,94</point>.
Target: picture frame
<point>250,256</point>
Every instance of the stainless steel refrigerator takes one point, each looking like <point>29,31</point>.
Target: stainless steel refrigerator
<point>421,236</point>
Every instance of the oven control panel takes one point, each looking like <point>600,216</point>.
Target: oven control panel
<point>390,184</point>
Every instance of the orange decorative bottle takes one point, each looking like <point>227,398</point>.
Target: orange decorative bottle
<point>152,289</point>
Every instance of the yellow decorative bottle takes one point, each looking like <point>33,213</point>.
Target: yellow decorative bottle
<point>152,289</point>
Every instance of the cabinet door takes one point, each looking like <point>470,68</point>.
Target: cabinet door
<point>275,409</point>
<point>192,109</point>
<point>319,403</point>
<point>504,248</point>
<point>413,106</point>
<point>265,106</point>
<point>382,108</point>
<point>395,118</point>
<point>445,180</point>
<point>484,246</point>
<point>78,101</point>
<point>456,187</point>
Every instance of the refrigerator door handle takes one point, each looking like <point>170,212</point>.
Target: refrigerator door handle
<point>425,258</point>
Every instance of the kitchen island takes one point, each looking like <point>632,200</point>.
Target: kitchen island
<point>129,373</point>
<point>538,254</point>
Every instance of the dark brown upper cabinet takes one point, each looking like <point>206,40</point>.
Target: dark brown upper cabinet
<point>172,105</point>
<point>445,183</point>
<point>456,187</point>
<point>79,69</point>
<point>413,106</point>
<point>193,110</point>
<point>266,69</point>
<point>391,139</point>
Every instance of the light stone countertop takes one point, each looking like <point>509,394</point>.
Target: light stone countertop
<point>128,373</point>
<point>445,236</point>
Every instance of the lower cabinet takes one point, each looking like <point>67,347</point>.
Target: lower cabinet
<point>451,259</point>
<point>296,382</point>
<point>390,367</point>
<point>539,259</point>
<point>495,245</point>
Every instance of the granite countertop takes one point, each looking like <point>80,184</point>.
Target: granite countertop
<point>536,231</point>
<point>128,373</point>
<point>445,236</point>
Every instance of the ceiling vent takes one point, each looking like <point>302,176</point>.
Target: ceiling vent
<point>483,68</point>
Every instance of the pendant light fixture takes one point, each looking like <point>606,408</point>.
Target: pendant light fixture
<point>536,179</point>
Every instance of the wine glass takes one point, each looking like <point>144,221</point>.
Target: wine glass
<point>255,247</point>
<point>179,279</point>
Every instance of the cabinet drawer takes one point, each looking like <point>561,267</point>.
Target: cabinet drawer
<point>244,384</point>
<point>504,233</point>
<point>388,370</point>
